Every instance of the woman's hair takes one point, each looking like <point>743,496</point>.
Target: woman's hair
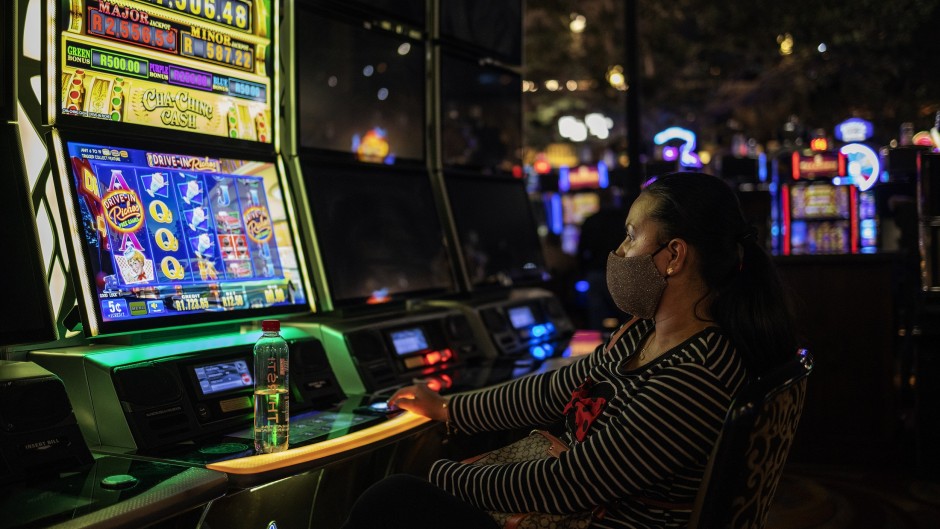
<point>747,298</point>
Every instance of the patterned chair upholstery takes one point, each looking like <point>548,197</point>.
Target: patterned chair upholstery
<point>747,462</point>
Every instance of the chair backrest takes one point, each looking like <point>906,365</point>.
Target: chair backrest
<point>748,459</point>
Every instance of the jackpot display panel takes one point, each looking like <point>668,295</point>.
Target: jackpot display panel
<point>164,238</point>
<point>195,66</point>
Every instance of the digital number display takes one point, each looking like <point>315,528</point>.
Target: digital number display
<point>195,66</point>
<point>247,90</point>
<point>125,30</point>
<point>220,53</point>
<point>521,317</point>
<point>120,64</point>
<point>232,13</point>
<point>409,341</point>
<point>223,376</point>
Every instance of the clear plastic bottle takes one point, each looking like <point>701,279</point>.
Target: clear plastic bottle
<point>272,426</point>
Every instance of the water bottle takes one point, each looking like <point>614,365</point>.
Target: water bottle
<point>272,418</point>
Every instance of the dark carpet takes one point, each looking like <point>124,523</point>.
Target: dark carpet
<point>818,497</point>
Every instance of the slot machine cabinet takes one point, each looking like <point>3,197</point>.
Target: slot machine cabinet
<point>379,353</point>
<point>38,431</point>
<point>113,492</point>
<point>527,325</point>
<point>147,398</point>
<point>48,475</point>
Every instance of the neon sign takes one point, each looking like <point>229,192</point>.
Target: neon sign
<point>854,129</point>
<point>864,166</point>
<point>687,155</point>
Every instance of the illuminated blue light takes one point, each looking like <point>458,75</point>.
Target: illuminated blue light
<point>864,166</point>
<point>582,286</point>
<point>603,179</point>
<point>550,327</point>
<point>564,182</point>
<point>557,215</point>
<point>762,167</point>
<point>538,331</point>
<point>538,352</point>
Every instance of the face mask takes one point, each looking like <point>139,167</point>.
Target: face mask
<point>635,283</point>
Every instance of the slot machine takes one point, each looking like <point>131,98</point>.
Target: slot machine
<point>362,170</point>
<point>817,205</point>
<point>180,234</point>
<point>503,260</point>
<point>491,225</point>
<point>382,250</point>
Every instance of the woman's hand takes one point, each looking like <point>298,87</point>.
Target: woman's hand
<point>421,400</point>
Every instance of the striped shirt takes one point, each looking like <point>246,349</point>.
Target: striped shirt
<point>652,438</point>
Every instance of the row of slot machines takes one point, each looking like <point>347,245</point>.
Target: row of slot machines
<point>175,208</point>
<point>182,415</point>
<point>815,202</point>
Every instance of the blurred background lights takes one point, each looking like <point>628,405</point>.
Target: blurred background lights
<point>578,23</point>
<point>572,128</point>
<point>616,78</point>
<point>599,125</point>
<point>786,43</point>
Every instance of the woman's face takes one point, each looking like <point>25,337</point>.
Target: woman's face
<point>642,232</point>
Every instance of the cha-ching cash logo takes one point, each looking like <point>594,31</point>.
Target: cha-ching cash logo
<point>258,224</point>
<point>123,210</point>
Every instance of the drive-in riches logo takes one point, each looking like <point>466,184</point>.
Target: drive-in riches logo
<point>123,210</point>
<point>258,224</point>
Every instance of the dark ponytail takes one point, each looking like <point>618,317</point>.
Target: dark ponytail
<point>745,295</point>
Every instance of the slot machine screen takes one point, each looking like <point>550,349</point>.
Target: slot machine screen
<point>497,230</point>
<point>379,234</point>
<point>493,26</point>
<point>377,75</point>
<point>408,341</point>
<point>222,376</point>
<point>521,317</point>
<point>195,66</point>
<point>820,201</point>
<point>481,115</point>
<point>579,206</point>
<point>165,239</point>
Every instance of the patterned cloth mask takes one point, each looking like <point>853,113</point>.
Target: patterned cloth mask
<point>635,284</point>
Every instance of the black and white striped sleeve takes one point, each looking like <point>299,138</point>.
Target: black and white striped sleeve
<point>530,401</point>
<point>671,423</point>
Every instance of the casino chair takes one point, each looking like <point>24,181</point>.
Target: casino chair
<point>747,462</point>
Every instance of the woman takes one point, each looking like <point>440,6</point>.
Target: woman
<point>643,412</point>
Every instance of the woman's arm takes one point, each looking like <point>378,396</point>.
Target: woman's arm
<point>670,424</point>
<point>524,402</point>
